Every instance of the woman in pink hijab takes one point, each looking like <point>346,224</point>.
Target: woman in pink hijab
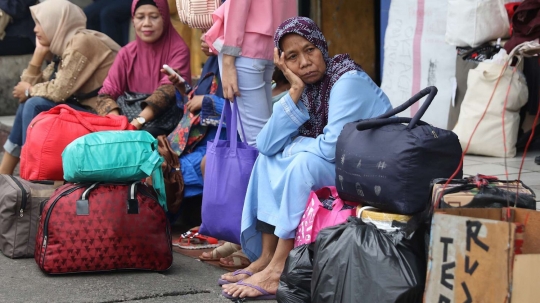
<point>138,69</point>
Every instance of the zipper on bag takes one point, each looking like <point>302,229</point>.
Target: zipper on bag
<point>49,211</point>
<point>46,223</point>
<point>433,131</point>
<point>24,199</point>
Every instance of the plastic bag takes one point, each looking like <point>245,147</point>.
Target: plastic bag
<point>356,262</point>
<point>295,281</point>
<point>500,58</point>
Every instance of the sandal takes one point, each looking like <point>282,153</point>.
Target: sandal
<point>237,259</point>
<point>222,251</point>
<point>194,240</point>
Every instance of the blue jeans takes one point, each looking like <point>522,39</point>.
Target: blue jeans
<point>255,101</point>
<point>25,113</point>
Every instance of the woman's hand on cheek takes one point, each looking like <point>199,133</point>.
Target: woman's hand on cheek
<point>297,85</point>
<point>44,50</point>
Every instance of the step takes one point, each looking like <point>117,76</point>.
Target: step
<point>7,120</point>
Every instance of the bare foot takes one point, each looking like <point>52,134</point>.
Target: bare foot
<point>220,252</point>
<point>254,267</point>
<point>268,279</point>
<point>236,260</point>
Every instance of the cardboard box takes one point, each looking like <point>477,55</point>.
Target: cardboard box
<point>471,257</point>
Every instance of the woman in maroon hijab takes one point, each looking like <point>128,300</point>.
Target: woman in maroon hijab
<point>138,66</point>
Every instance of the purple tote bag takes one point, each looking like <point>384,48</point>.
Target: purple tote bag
<point>228,168</point>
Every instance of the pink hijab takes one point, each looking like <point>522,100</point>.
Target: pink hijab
<point>137,66</point>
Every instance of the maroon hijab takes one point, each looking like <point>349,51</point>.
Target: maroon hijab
<point>137,66</point>
<point>315,96</point>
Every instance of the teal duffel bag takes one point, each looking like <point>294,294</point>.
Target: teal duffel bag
<point>115,156</point>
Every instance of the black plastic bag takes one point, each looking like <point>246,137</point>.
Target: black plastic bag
<point>356,262</point>
<point>295,281</point>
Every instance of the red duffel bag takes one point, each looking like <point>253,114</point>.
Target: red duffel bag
<point>103,227</point>
<point>51,131</point>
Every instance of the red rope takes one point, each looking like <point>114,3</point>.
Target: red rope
<point>470,138</point>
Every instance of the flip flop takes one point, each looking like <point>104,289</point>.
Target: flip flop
<point>222,251</point>
<point>222,282</point>
<point>265,295</point>
<point>190,240</point>
<point>237,258</point>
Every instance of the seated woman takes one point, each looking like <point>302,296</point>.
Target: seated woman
<point>84,58</point>
<point>138,69</point>
<point>297,149</point>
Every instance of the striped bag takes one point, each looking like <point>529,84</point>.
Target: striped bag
<point>197,13</point>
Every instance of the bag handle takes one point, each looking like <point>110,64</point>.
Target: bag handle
<point>152,167</point>
<point>66,109</point>
<point>192,92</point>
<point>218,132</point>
<point>361,210</point>
<point>429,91</point>
<point>372,123</point>
<point>232,119</point>
<point>239,121</point>
<point>132,202</point>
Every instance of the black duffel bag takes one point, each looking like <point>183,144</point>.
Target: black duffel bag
<point>383,163</point>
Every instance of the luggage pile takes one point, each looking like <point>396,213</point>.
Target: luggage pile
<point>374,236</point>
<point>83,204</point>
<point>105,218</point>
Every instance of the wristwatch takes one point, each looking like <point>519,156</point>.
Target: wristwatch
<point>27,93</point>
<point>141,120</point>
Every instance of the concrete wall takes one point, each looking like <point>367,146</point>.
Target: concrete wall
<point>11,68</point>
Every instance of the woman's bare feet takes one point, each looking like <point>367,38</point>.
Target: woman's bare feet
<point>235,261</point>
<point>254,268</point>
<point>267,279</point>
<point>220,252</point>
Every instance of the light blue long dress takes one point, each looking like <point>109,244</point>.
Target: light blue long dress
<point>290,166</point>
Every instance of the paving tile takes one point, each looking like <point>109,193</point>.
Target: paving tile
<point>468,161</point>
<point>489,169</point>
<point>527,165</point>
<point>7,120</point>
<point>483,159</point>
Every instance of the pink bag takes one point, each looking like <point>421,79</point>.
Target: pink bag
<point>316,217</point>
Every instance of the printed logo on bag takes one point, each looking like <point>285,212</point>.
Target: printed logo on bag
<point>340,177</point>
<point>377,189</point>
<point>359,190</point>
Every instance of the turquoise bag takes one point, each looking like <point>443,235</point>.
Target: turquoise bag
<point>115,156</point>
